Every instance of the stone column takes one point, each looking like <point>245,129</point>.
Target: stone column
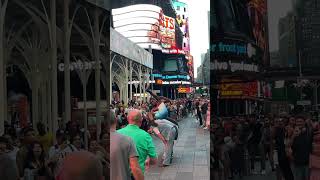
<point>54,85</point>
<point>140,81</point>
<point>96,38</point>
<point>67,35</point>
<point>131,71</point>
<point>3,91</point>
<point>126,81</point>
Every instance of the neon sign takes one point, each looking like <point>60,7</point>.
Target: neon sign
<point>167,77</point>
<point>184,90</point>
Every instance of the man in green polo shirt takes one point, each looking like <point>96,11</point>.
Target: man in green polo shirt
<point>141,139</point>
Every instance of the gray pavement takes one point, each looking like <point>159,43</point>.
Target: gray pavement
<point>191,155</point>
<point>268,176</point>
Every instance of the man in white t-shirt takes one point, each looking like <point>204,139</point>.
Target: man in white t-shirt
<point>59,151</point>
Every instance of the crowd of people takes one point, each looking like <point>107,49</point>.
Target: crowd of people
<point>242,146</point>
<point>132,127</point>
<point>33,154</point>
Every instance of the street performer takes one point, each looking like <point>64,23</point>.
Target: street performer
<point>167,133</point>
<point>159,107</point>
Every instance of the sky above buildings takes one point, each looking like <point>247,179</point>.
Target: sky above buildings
<point>276,10</point>
<point>199,29</point>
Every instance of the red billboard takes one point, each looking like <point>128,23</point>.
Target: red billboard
<point>167,31</point>
<point>249,89</point>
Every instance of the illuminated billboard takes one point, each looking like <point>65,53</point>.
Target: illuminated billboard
<point>239,40</point>
<point>167,32</point>
<point>145,25</point>
<point>257,11</point>
<point>184,90</point>
<point>190,66</point>
<point>183,22</point>
<point>249,89</point>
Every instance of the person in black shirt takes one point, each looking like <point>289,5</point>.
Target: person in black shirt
<point>198,111</point>
<point>204,109</point>
<point>254,143</point>
<point>283,160</point>
<point>301,151</point>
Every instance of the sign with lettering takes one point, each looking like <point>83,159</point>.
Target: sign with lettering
<point>235,55</point>
<point>231,93</point>
<point>184,90</point>
<point>234,66</point>
<point>168,77</point>
<point>239,89</point>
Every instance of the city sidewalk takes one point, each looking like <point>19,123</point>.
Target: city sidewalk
<point>191,155</point>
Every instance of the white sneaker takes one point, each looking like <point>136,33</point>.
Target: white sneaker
<point>205,128</point>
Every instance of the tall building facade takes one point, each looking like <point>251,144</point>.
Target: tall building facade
<point>308,18</point>
<point>203,71</point>
<point>287,41</point>
<point>153,25</point>
<point>275,60</point>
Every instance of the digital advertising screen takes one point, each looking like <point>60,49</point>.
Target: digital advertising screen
<point>170,65</point>
<point>249,89</point>
<point>257,11</point>
<point>167,32</point>
<point>239,39</point>
<point>176,64</point>
<point>230,56</point>
<point>182,19</point>
<point>190,66</point>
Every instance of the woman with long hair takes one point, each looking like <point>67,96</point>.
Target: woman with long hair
<point>36,165</point>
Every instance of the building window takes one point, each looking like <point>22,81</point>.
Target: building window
<point>185,9</point>
<point>182,16</point>
<point>184,45</point>
<point>178,8</point>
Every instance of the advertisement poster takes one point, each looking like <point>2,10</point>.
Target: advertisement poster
<point>167,32</point>
<point>239,89</point>
<point>257,11</point>
<point>190,66</point>
<point>237,20</point>
<point>183,22</point>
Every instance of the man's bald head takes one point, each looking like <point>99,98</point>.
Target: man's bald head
<point>135,117</point>
<point>81,165</point>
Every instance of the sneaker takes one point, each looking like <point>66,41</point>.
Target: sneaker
<point>205,128</point>
<point>263,172</point>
